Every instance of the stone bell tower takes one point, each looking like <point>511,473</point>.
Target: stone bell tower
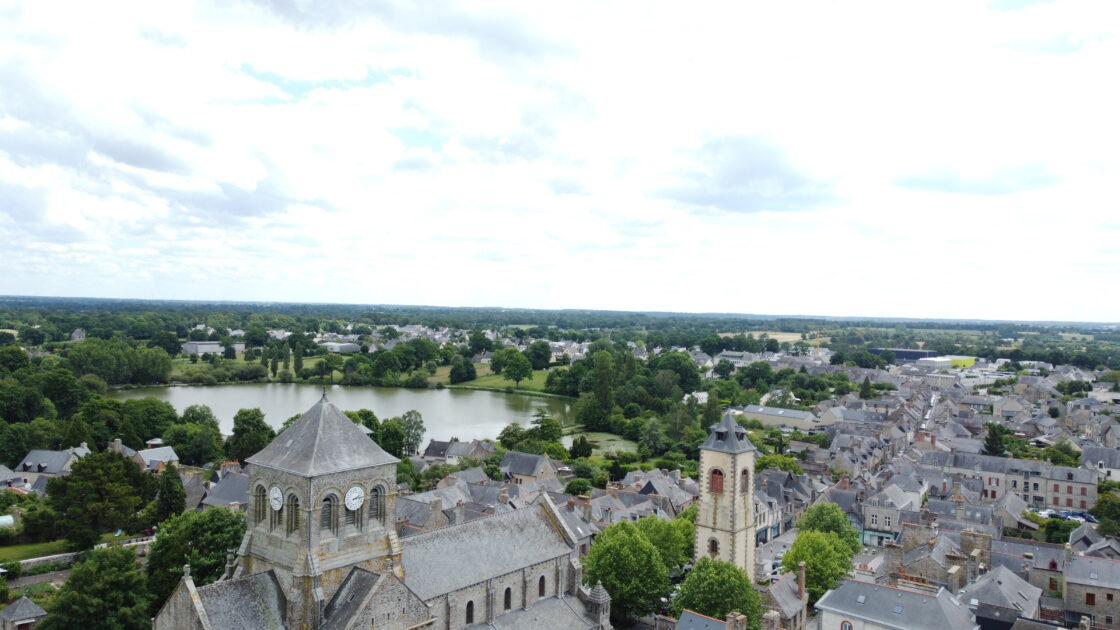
<point>322,500</point>
<point>725,527</point>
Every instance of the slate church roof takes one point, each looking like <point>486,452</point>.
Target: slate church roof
<point>255,601</point>
<point>448,559</point>
<point>728,437</point>
<point>321,442</point>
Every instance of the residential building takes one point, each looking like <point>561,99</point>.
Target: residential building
<point>855,605</point>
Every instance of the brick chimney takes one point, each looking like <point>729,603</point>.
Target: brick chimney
<point>585,507</point>
<point>571,504</point>
<point>503,495</point>
<point>801,580</point>
<point>736,621</point>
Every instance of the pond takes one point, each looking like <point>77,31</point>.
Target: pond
<point>463,413</point>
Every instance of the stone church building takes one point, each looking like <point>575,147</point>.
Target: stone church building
<point>321,552</point>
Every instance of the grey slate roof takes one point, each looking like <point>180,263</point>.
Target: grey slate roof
<point>1090,571</point>
<point>728,437</point>
<point>1002,588</point>
<point>255,602</point>
<point>21,610</point>
<point>695,621</point>
<point>52,461</point>
<point>896,608</point>
<point>347,601</point>
<point>451,558</point>
<point>550,613</point>
<point>233,488</point>
<point>321,442</point>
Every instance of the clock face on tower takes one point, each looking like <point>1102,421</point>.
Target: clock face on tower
<point>275,498</point>
<point>354,498</point>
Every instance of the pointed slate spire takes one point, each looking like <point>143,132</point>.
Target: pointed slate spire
<point>323,441</point>
<point>728,437</point>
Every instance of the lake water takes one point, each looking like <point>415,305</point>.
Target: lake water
<point>462,413</point>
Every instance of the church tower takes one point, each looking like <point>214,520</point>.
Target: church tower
<point>725,527</point>
<point>322,500</point>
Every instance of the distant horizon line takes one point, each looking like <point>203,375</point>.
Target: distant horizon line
<point>712,314</point>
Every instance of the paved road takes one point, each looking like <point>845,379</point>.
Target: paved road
<point>53,576</point>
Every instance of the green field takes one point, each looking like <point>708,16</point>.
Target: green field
<point>443,374</point>
<point>497,381</point>
<point>12,553</point>
<point>602,443</point>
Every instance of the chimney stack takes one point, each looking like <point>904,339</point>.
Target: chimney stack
<point>503,495</point>
<point>460,513</point>
<point>736,621</point>
<point>571,504</point>
<point>436,505</point>
<point>801,580</point>
<point>585,507</point>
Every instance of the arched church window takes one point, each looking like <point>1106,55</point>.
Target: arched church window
<point>293,513</point>
<point>509,598</point>
<point>328,513</point>
<point>745,482</point>
<point>713,547</point>
<point>470,613</point>
<point>377,504</point>
<point>845,625</point>
<point>260,504</point>
<point>540,587</point>
<point>715,481</point>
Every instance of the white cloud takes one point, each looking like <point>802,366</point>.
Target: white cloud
<point>877,158</point>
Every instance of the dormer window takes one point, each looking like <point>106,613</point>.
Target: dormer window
<point>721,435</point>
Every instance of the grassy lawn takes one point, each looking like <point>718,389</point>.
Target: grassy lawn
<point>27,551</point>
<point>31,550</point>
<point>443,374</point>
<point>497,381</point>
<point>602,443</point>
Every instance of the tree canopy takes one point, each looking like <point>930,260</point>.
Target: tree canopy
<point>716,588</point>
<point>630,568</point>
<point>250,434</point>
<point>827,560</point>
<point>105,591</point>
<point>828,517</point>
<point>104,491</point>
<point>200,539</point>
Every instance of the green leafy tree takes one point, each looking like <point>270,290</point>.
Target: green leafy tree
<point>865,390</point>
<point>577,487</point>
<point>716,588</point>
<point>1107,510</point>
<point>105,591</point>
<point>995,443</point>
<point>517,369</point>
<point>670,540</point>
<point>462,370</point>
<point>393,437</point>
<point>103,492</point>
<point>828,517</point>
<point>581,447</point>
<point>171,498</point>
<point>200,539</point>
<point>201,415</point>
<point>195,444</point>
<point>250,434</point>
<point>539,354</point>
<point>545,427</point>
<point>412,423</point>
<point>781,462</point>
<point>630,568</point>
<point>827,560</point>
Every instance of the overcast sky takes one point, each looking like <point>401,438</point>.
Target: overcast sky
<point>932,159</point>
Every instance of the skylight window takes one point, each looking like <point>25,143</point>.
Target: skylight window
<point>861,599</point>
<point>898,609</point>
